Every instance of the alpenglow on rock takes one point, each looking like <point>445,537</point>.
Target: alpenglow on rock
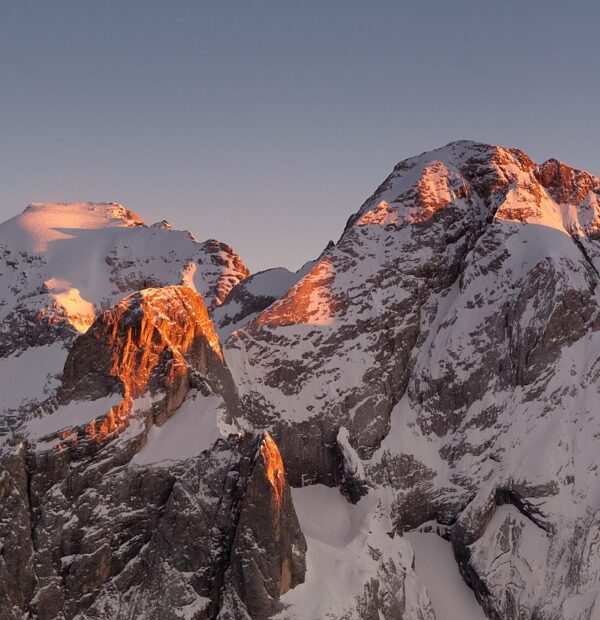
<point>404,428</point>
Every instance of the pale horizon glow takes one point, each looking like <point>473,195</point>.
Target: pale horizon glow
<point>266,125</point>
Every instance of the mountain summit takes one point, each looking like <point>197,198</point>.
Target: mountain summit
<point>404,428</point>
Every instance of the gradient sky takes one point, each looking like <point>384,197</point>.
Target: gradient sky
<point>266,124</point>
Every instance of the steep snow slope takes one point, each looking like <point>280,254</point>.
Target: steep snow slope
<point>450,596</point>
<point>197,425</point>
<point>353,564</point>
<point>453,330</point>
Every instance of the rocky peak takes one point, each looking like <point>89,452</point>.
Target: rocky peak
<point>268,554</point>
<point>420,186</point>
<point>61,265</point>
<point>566,184</point>
<point>155,341</point>
<point>222,256</point>
<point>441,332</point>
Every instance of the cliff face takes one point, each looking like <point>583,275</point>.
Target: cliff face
<point>154,341</point>
<point>437,371</point>
<point>269,549</point>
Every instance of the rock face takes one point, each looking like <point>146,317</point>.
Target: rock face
<point>437,369</point>
<point>146,542</point>
<point>153,341</point>
<point>17,582</point>
<point>253,295</point>
<point>268,554</point>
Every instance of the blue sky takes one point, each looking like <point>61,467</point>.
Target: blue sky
<point>266,124</point>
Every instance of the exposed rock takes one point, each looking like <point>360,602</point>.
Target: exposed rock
<point>268,553</point>
<point>151,341</point>
<point>253,295</point>
<point>17,579</point>
<point>155,344</point>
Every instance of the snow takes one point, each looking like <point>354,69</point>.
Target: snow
<point>80,312</point>
<point>84,257</point>
<point>193,428</point>
<point>31,376</point>
<point>352,463</point>
<point>271,282</point>
<point>192,610</point>
<point>451,597</point>
<point>277,281</point>
<point>339,535</point>
<point>75,413</point>
<point>42,224</point>
<point>343,542</point>
<point>513,552</point>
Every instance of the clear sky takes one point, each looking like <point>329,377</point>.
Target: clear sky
<point>266,124</point>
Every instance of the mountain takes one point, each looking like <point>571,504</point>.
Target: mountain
<point>404,428</point>
<point>62,265</point>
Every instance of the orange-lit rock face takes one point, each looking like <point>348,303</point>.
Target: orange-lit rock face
<point>170,319</point>
<point>437,188</point>
<point>566,184</point>
<point>146,342</point>
<point>273,463</point>
<point>311,301</point>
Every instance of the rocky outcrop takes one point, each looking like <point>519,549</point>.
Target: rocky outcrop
<point>155,341</point>
<point>226,270</point>
<point>268,553</point>
<point>151,348</point>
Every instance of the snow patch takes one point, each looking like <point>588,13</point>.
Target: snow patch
<point>193,428</point>
<point>451,597</point>
<point>31,375</point>
<point>75,413</point>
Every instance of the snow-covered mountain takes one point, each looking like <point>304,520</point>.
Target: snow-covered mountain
<point>405,428</point>
<point>61,265</point>
<point>64,263</point>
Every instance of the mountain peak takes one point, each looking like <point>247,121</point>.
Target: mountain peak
<point>107,210</point>
<point>564,183</point>
<point>42,223</point>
